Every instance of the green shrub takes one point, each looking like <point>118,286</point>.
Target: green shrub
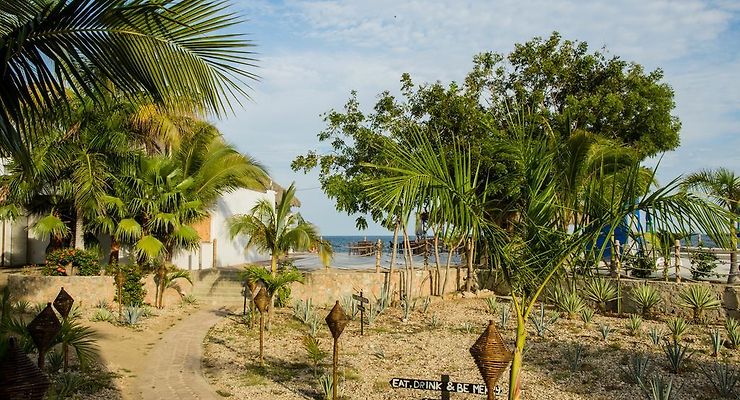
<point>703,263</point>
<point>83,262</point>
<point>641,265</point>
<point>133,291</point>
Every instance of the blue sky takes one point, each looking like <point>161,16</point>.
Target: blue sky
<point>313,53</point>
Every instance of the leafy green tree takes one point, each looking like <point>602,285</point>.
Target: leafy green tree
<point>165,51</point>
<point>723,186</point>
<point>589,91</point>
<point>276,229</point>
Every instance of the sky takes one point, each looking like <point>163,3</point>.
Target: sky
<point>311,54</point>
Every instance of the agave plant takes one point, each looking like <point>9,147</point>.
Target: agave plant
<point>605,330</point>
<point>659,389</point>
<point>574,355</point>
<point>634,323</point>
<point>542,323</point>
<point>733,332</point>
<point>676,355</point>
<point>699,298</point>
<point>492,306</point>
<point>587,315</point>
<point>600,291</point>
<point>645,298</point>
<point>723,378</point>
<point>717,341</point>
<point>677,326</point>
<point>655,336</point>
<point>637,369</point>
<point>570,304</point>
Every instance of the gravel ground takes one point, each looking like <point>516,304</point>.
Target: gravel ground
<point>416,349</point>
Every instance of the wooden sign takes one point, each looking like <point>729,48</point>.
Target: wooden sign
<point>362,300</point>
<point>444,385</point>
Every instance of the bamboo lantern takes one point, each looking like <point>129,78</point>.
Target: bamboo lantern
<point>491,356</point>
<point>43,329</point>
<point>19,377</point>
<point>262,300</point>
<point>63,303</point>
<point>336,320</point>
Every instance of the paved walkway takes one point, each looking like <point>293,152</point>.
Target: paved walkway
<point>173,368</point>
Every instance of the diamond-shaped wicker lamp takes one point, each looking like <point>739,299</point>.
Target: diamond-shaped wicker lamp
<point>20,378</point>
<point>262,300</point>
<point>252,285</point>
<point>43,328</point>
<point>337,320</point>
<point>491,356</point>
<point>63,303</point>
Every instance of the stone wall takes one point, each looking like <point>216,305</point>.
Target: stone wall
<point>86,290</point>
<point>324,287</point>
<point>671,301</point>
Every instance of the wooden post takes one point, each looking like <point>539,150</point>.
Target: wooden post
<point>618,260</point>
<point>362,316</point>
<point>215,242</point>
<point>677,256</point>
<point>445,392</point>
<point>378,252</point>
<point>262,334</point>
<point>335,375</point>
<point>469,280</point>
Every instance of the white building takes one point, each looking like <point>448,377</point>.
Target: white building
<point>21,247</point>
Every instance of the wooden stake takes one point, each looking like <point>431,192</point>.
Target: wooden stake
<point>677,256</point>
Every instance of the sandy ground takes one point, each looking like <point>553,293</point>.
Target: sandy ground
<point>416,349</point>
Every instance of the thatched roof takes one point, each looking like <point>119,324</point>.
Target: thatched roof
<point>279,190</point>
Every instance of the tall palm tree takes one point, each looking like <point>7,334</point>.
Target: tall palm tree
<point>723,186</point>
<point>174,53</point>
<point>276,229</point>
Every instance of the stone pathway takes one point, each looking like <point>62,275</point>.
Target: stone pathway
<point>173,369</point>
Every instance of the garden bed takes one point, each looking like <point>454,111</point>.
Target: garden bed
<point>436,343</point>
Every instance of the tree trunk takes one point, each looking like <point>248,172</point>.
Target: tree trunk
<point>469,280</point>
<point>436,262</point>
<point>271,307</point>
<point>162,274</point>
<point>409,263</point>
<point>515,374</point>
<point>115,249</point>
<point>394,251</point>
<point>450,252</point>
<point>732,277</point>
<point>79,230</point>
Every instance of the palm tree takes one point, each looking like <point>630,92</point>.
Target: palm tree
<point>723,186</point>
<point>277,230</point>
<point>170,282</point>
<point>174,53</point>
<point>525,238</point>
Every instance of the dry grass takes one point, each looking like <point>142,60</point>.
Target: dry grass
<point>415,349</point>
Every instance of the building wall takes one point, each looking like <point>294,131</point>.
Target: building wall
<point>226,251</point>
